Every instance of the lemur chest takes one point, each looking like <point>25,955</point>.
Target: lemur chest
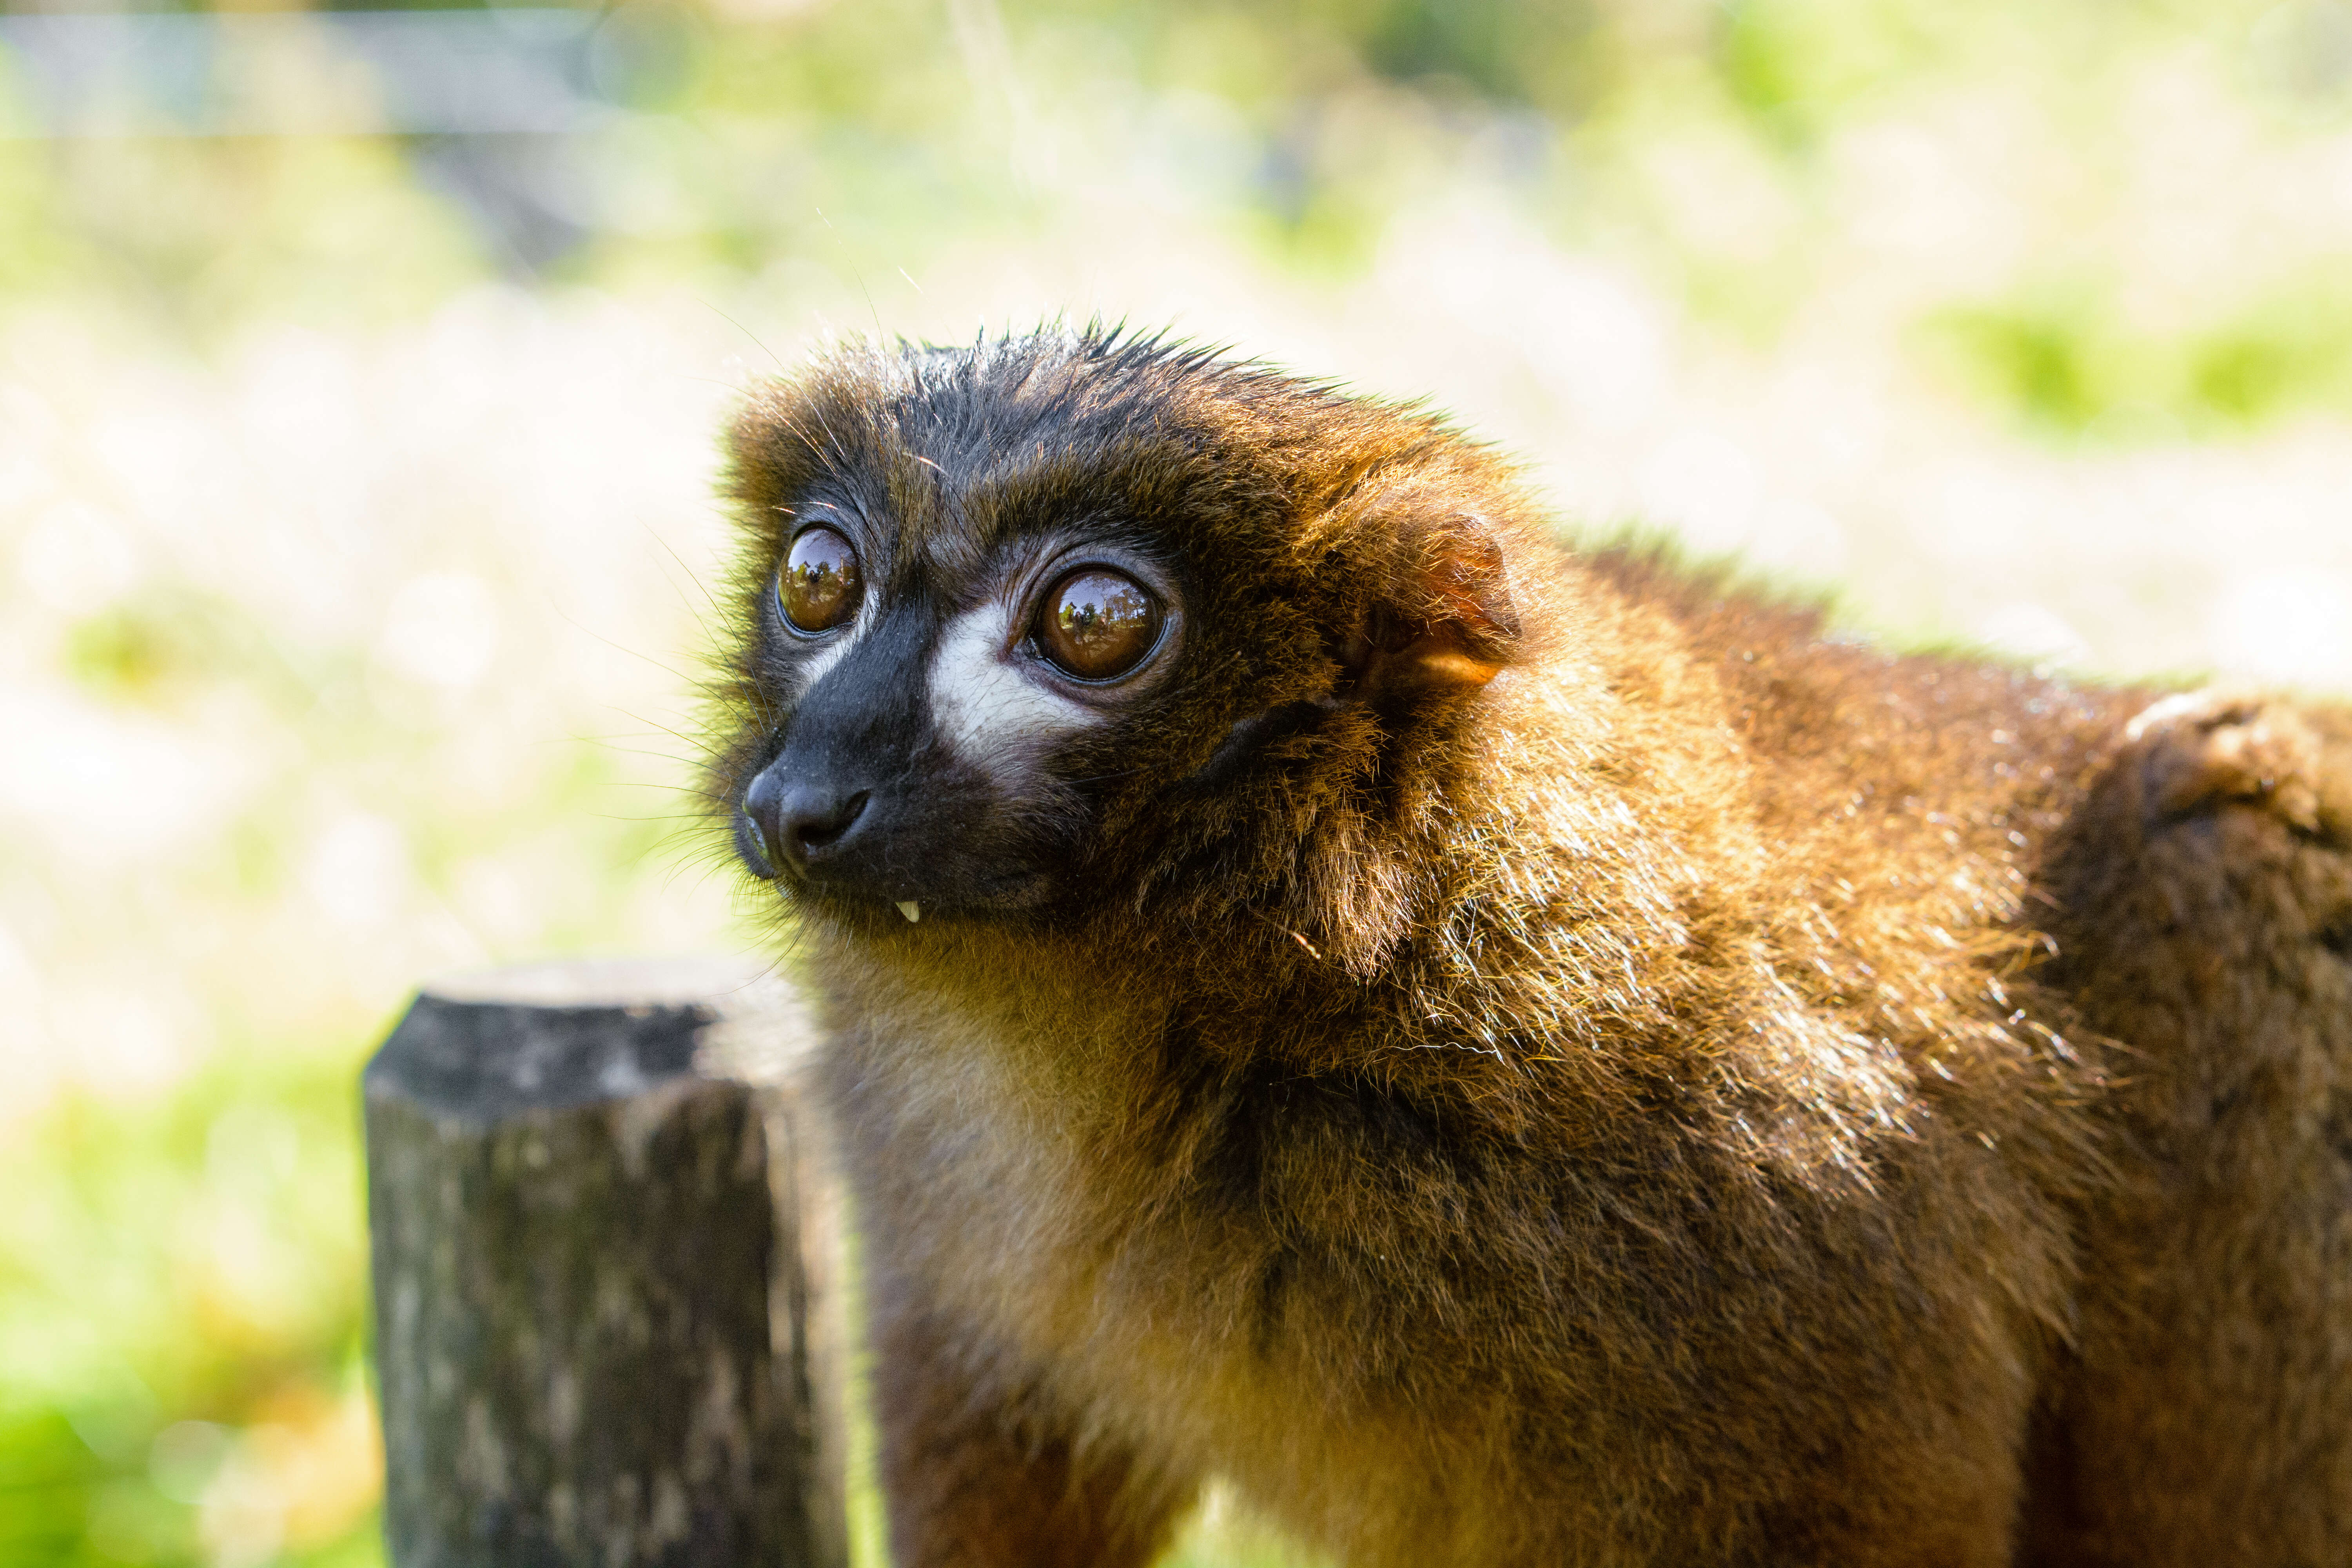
<point>1068,1230</point>
<point>1157,1295</point>
<point>1023,1207</point>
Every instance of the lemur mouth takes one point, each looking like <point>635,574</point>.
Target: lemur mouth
<point>874,912</point>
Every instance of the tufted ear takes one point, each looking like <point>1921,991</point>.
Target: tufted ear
<point>1446,620</point>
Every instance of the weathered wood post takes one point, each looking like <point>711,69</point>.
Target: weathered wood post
<point>604,1275</point>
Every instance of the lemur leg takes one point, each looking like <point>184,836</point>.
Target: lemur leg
<point>978,1473</point>
<point>2207,1418</point>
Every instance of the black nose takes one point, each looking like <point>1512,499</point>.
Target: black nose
<point>800,821</point>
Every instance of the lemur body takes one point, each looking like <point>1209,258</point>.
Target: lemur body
<point>1514,1057</point>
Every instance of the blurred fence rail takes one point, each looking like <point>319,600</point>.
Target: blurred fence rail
<point>607,1322</point>
<point>546,71</point>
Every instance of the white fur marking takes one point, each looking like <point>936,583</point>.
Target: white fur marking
<point>818,665</point>
<point>989,709</point>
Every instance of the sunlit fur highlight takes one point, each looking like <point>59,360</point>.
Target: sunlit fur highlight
<point>1653,1085</point>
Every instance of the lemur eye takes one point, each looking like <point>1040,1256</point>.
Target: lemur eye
<point>1095,624</point>
<point>819,586</point>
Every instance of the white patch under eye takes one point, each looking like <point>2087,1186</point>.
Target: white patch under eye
<point>985,704</point>
<point>819,664</point>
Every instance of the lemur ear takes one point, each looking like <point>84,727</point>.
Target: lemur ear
<point>1447,620</point>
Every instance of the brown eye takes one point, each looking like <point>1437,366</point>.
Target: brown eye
<point>819,588</point>
<point>1097,623</point>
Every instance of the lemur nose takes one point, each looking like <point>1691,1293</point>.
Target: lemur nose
<point>799,821</point>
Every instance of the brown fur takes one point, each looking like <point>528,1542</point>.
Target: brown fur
<point>1615,1078</point>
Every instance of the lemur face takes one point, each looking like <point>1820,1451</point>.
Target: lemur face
<point>931,694</point>
<point>1053,622</point>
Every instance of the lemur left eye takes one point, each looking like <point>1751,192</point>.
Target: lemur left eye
<point>820,584</point>
<point>1097,623</point>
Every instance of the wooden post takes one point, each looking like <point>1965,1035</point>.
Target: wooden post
<point>604,1261</point>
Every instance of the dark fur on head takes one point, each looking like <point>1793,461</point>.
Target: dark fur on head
<point>1511,1057</point>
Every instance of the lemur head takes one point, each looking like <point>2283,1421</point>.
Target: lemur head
<point>1064,620</point>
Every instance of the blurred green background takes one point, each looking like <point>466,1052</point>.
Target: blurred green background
<point>358,373</point>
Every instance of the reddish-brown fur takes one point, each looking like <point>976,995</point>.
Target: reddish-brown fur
<point>1635,1081</point>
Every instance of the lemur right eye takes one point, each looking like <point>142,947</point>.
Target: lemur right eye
<point>820,586</point>
<point>1097,623</point>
